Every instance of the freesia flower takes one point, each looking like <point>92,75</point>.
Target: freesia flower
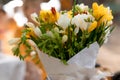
<point>30,25</point>
<point>76,30</point>
<point>34,17</point>
<point>83,7</point>
<point>79,21</point>
<point>101,13</point>
<point>37,32</point>
<point>64,21</point>
<point>92,26</point>
<point>64,38</point>
<point>14,41</point>
<point>49,16</point>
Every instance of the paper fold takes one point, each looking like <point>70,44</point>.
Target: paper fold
<point>80,67</point>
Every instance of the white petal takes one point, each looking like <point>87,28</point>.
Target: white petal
<point>37,31</point>
<point>63,21</point>
<point>76,30</point>
<point>79,21</point>
<point>34,16</point>
<point>84,7</point>
<point>31,25</point>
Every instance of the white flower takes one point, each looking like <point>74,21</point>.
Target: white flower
<point>64,38</point>
<point>79,21</point>
<point>63,21</point>
<point>14,41</point>
<point>34,17</point>
<point>37,31</point>
<point>31,25</point>
<point>83,7</point>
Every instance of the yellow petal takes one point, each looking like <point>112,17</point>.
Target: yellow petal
<point>92,26</point>
<point>94,5</point>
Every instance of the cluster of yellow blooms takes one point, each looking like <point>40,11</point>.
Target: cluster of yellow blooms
<point>49,16</point>
<point>99,12</point>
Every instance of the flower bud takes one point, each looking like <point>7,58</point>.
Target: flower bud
<point>14,41</point>
<point>33,53</point>
<point>64,38</point>
<point>31,25</point>
<point>37,31</point>
<point>50,34</point>
<point>34,17</point>
<point>56,29</point>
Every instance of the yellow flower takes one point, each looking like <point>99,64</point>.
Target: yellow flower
<point>101,13</point>
<point>49,16</point>
<point>105,18</point>
<point>92,26</point>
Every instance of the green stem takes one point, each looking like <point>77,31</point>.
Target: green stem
<point>74,7</point>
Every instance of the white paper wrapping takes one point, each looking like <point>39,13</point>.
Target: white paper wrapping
<point>11,68</point>
<point>80,67</point>
<point>87,57</point>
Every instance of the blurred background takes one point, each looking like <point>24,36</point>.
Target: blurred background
<point>15,13</point>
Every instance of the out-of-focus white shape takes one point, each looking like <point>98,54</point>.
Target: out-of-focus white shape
<point>33,53</point>
<point>11,68</point>
<point>9,7</point>
<point>20,18</point>
<point>51,3</point>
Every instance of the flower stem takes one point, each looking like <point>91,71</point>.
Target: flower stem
<point>74,7</point>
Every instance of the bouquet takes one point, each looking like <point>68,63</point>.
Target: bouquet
<point>65,35</point>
